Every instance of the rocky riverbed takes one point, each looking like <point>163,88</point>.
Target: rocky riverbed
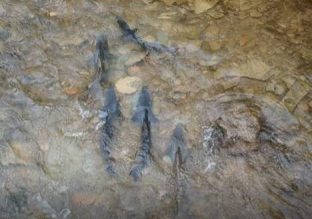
<point>239,84</point>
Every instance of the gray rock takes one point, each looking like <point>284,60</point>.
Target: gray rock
<point>4,34</point>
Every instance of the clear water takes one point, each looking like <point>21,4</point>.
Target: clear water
<point>240,84</point>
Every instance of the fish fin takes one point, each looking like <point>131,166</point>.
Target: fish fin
<point>136,172</point>
<point>152,118</point>
<point>138,117</point>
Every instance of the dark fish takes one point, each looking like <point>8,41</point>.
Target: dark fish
<point>100,61</point>
<point>177,148</point>
<point>101,57</point>
<point>111,107</point>
<point>130,34</point>
<point>144,104</point>
<point>127,32</point>
<point>107,115</point>
<point>143,154</point>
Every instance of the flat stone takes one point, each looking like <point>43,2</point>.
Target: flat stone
<point>4,34</point>
<point>23,147</point>
<point>216,12</point>
<point>200,6</point>
<point>277,88</point>
<point>248,4</point>
<point>171,2</point>
<point>84,198</point>
<point>254,68</point>
<point>211,32</point>
<point>128,85</point>
<point>295,95</point>
<point>72,90</point>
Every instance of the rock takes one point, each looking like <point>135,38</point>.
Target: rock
<point>134,70</point>
<point>63,39</point>
<point>134,58</point>
<point>171,2</point>
<point>253,68</point>
<point>167,15</point>
<point>4,34</point>
<point>255,14</point>
<point>44,146</point>
<point>84,198</point>
<point>248,4</point>
<point>213,138</point>
<point>211,32</point>
<point>277,88</point>
<point>41,208</point>
<point>239,117</point>
<point>243,40</point>
<point>53,14</point>
<point>280,124</point>
<point>217,12</point>
<point>41,85</point>
<point>215,45</point>
<point>295,95</point>
<point>128,85</point>
<point>65,213</point>
<point>23,147</point>
<point>72,90</point>
<point>162,37</point>
<point>200,6</point>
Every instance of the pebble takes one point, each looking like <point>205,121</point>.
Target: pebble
<point>200,6</point>
<point>4,34</point>
<point>128,85</point>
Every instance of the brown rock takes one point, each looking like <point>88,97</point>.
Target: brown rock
<point>295,95</point>
<point>83,198</point>
<point>71,90</point>
<point>240,118</point>
<point>128,85</point>
<point>200,6</point>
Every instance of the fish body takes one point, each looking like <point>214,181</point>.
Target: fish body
<point>144,104</point>
<point>111,105</point>
<point>101,57</point>
<point>107,114</point>
<point>130,34</point>
<point>177,148</point>
<point>127,32</point>
<point>143,154</point>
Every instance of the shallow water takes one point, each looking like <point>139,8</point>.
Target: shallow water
<point>240,84</point>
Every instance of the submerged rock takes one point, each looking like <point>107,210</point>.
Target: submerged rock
<point>134,58</point>
<point>295,95</point>
<point>239,122</point>
<point>4,34</point>
<point>200,6</point>
<point>128,85</point>
<point>255,68</point>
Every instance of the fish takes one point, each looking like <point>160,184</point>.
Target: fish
<point>143,155</point>
<point>108,114</point>
<point>144,104</point>
<point>131,35</point>
<point>101,57</point>
<point>127,32</point>
<point>177,149</point>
